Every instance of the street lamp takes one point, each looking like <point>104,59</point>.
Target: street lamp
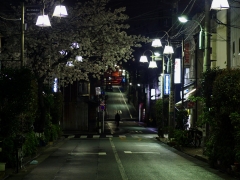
<point>42,21</point>
<point>219,5</point>
<point>168,50</point>
<point>156,43</point>
<point>152,63</point>
<point>184,19</point>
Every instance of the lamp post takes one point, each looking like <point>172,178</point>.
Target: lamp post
<point>42,21</point>
<point>22,34</point>
<point>168,50</point>
<point>182,74</point>
<point>152,63</point>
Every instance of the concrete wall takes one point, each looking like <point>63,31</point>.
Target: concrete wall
<point>235,37</point>
<point>220,41</point>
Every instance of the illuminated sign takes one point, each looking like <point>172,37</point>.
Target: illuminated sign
<point>177,71</point>
<point>55,85</point>
<point>98,90</point>
<point>166,84</point>
<point>153,94</point>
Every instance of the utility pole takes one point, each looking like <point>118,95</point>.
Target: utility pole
<point>171,117</point>
<point>22,35</point>
<point>182,74</point>
<point>207,50</point>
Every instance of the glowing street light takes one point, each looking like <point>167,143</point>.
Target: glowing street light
<point>152,63</point>
<point>219,5</point>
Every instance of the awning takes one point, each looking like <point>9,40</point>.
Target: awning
<point>190,93</point>
<point>189,84</point>
<point>179,103</point>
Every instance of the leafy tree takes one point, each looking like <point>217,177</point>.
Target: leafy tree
<point>92,32</point>
<point>18,111</point>
<point>18,102</point>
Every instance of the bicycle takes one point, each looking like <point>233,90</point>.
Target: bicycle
<point>193,137</point>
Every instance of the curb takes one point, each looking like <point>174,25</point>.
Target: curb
<point>179,149</point>
<point>11,172</point>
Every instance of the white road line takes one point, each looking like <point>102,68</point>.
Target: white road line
<point>122,136</point>
<point>96,136</point>
<point>83,137</point>
<point>130,152</point>
<point>120,166</point>
<point>109,136</point>
<point>135,136</point>
<point>125,103</point>
<point>85,153</point>
<point>69,137</point>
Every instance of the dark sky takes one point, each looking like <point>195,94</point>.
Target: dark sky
<point>146,17</point>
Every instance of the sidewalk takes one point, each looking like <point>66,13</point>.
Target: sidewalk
<point>42,153</point>
<point>11,172</point>
<point>191,151</point>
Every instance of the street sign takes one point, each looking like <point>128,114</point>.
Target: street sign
<point>98,90</point>
<point>102,105</point>
<point>102,108</point>
<point>166,84</point>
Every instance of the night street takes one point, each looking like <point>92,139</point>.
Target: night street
<point>130,152</point>
<point>117,100</point>
<point>134,155</point>
<point>119,89</point>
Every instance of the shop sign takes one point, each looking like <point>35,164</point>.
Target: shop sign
<point>177,71</point>
<point>166,84</point>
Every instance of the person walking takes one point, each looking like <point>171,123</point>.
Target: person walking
<point>117,119</point>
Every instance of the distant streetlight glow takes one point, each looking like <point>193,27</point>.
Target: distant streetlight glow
<point>79,58</point>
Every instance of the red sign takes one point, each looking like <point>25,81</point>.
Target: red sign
<point>190,105</point>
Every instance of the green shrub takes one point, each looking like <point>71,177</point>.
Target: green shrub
<point>30,144</point>
<point>220,90</point>
<point>18,109</point>
<point>180,136</point>
<point>56,109</point>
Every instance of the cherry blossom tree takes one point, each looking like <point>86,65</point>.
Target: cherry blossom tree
<point>90,40</point>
